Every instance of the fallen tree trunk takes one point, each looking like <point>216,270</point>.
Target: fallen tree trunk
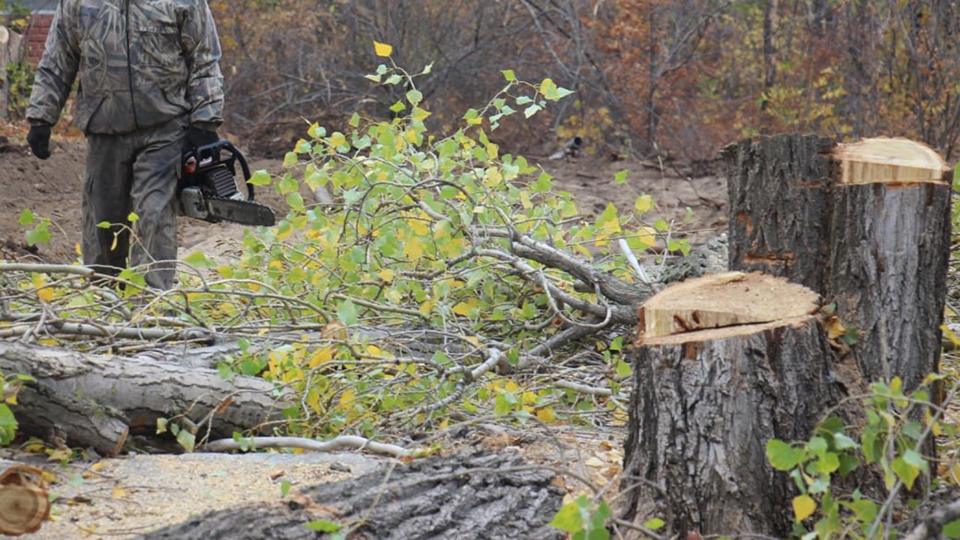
<point>461,496</point>
<point>723,364</point>
<point>91,400</point>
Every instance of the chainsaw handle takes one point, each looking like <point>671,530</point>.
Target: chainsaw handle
<point>212,150</point>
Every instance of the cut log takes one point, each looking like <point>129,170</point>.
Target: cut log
<point>24,503</point>
<point>462,496</point>
<point>866,225</point>
<point>93,401</point>
<point>705,403</point>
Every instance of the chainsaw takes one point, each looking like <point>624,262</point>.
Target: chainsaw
<point>207,189</point>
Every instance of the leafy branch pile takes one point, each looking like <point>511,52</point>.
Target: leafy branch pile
<point>446,282</point>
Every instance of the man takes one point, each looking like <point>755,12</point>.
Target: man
<point>150,84</point>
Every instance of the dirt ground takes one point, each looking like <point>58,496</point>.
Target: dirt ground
<point>52,189</point>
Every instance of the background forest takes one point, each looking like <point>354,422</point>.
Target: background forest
<point>676,79</point>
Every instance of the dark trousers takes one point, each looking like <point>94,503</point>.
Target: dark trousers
<point>133,174</point>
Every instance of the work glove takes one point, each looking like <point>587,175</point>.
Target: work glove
<point>197,137</point>
<point>39,140</point>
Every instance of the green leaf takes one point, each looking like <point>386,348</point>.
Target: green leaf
<point>620,177</point>
<point>828,463</point>
<point>568,518</point>
<point>783,456</point>
<point>509,75</point>
<point>915,459</point>
<point>347,312</point>
<point>8,425</point>
<point>623,369</point>
<point>197,259</point>
<point>905,471</point>
<point>414,96</point>
<point>260,178</point>
<point>27,217</point>
<point>864,509</point>
<point>290,159</point>
<point>952,529</point>
<point>322,525</point>
<point>655,524</point>
<point>186,439</point>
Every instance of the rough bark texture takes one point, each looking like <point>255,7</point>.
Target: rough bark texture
<point>88,400</point>
<point>877,250</point>
<point>887,275</point>
<point>461,496</point>
<point>779,190</point>
<point>701,414</point>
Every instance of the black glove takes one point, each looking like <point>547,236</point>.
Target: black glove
<point>39,140</point>
<point>197,137</point>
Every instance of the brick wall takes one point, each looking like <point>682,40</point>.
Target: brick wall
<point>35,36</point>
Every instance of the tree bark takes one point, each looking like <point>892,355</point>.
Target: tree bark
<point>865,225</point>
<point>90,400</point>
<point>476,495</point>
<point>706,402</point>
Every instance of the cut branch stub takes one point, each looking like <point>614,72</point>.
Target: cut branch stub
<point>24,503</point>
<point>889,161</point>
<point>723,300</point>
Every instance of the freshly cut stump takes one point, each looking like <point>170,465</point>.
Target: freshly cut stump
<point>706,401</point>
<point>866,225</point>
<point>719,300</point>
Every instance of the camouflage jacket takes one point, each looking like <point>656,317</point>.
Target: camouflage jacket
<point>141,63</point>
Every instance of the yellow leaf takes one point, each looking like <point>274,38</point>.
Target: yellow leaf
<point>644,203</point>
<point>321,356</point>
<point>45,294</point>
<point>464,308</point>
<point>547,416</point>
<point>386,275</point>
<point>647,236</point>
<point>803,507</point>
<point>373,350</point>
<point>382,49</point>
<point>347,398</point>
<point>119,493</point>
<point>413,249</point>
<point>835,328</point>
<point>511,387</point>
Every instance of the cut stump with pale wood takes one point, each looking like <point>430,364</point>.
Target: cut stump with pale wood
<point>708,396</point>
<point>24,503</point>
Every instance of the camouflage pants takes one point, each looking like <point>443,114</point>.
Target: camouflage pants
<point>133,172</point>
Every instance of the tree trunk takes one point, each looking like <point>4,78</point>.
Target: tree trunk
<point>865,225</point>
<point>461,496</point>
<point>706,401</point>
<point>89,400</point>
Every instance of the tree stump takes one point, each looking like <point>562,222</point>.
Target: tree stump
<point>709,395</point>
<point>866,225</point>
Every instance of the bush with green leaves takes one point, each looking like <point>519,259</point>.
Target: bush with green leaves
<point>896,430</point>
